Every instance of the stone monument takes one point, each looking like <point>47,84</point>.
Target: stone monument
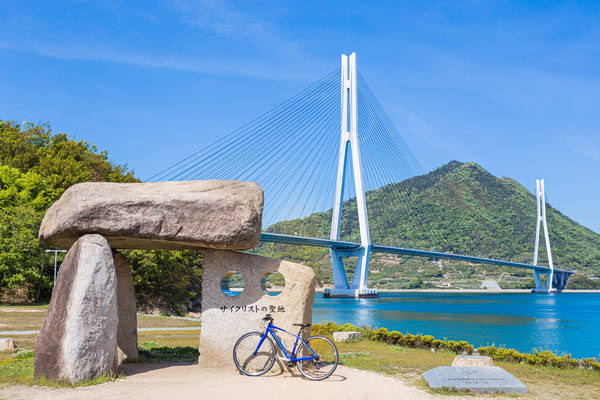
<point>78,340</point>
<point>226,318</point>
<point>92,315</point>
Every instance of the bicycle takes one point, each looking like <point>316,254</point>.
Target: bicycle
<point>254,353</point>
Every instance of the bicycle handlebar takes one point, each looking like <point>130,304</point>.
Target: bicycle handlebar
<point>268,317</point>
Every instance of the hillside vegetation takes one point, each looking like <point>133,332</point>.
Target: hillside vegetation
<point>458,208</point>
<point>36,167</point>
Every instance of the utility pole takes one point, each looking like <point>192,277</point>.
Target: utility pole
<point>55,260</point>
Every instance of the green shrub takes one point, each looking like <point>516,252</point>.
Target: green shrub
<point>396,338</point>
<point>545,357</point>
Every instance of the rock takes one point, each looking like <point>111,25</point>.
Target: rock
<point>7,345</point>
<point>476,379</point>
<point>161,215</point>
<point>78,340</point>
<point>346,335</point>
<point>472,361</point>
<point>127,338</point>
<point>226,318</point>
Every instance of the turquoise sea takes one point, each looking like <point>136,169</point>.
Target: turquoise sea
<point>563,323</point>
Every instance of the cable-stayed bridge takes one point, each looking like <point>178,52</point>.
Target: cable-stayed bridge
<point>324,149</point>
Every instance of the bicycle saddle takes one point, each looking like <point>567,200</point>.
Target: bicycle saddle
<point>301,325</point>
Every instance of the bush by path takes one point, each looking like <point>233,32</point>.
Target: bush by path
<point>546,357</point>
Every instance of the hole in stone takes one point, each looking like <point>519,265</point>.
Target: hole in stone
<point>233,283</point>
<point>272,283</point>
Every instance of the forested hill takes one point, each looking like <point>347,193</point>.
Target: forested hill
<point>36,167</point>
<point>459,208</point>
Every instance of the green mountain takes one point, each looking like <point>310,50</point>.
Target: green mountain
<point>458,208</point>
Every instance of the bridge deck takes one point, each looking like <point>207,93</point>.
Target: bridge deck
<point>341,245</point>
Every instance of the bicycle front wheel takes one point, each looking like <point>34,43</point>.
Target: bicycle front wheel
<point>324,361</point>
<point>250,359</point>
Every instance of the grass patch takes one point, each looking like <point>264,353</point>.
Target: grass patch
<point>408,364</point>
<point>22,317</point>
<point>152,352</point>
<point>23,344</point>
<point>40,306</point>
<point>19,370</point>
<point>171,338</point>
<point>31,317</point>
<point>154,321</point>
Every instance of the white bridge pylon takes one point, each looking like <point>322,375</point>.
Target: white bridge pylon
<point>349,147</point>
<point>541,220</point>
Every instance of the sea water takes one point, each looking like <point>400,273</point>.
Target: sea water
<point>563,322</point>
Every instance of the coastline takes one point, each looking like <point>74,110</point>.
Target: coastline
<point>320,290</point>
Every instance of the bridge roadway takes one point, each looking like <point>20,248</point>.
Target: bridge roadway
<point>340,245</point>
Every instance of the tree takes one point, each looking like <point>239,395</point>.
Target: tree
<point>36,167</point>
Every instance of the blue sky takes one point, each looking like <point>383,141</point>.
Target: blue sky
<point>513,86</point>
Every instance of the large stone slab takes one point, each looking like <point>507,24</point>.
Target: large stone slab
<point>476,379</point>
<point>161,215</point>
<point>127,338</point>
<point>226,318</point>
<point>78,340</point>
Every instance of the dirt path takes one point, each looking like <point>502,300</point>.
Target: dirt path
<point>173,382</point>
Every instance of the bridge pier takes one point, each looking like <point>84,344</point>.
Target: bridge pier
<point>358,288</point>
<point>558,278</point>
<point>555,280</point>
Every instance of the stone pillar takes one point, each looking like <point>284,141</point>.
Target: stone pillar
<point>226,318</point>
<point>78,340</point>
<point>127,338</point>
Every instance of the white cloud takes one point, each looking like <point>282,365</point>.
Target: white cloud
<point>586,146</point>
<point>230,19</point>
<point>204,64</point>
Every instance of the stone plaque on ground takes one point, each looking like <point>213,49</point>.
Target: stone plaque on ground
<point>476,379</point>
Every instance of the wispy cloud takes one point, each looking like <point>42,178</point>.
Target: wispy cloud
<point>267,53</point>
<point>231,19</point>
<point>210,65</point>
<point>586,146</point>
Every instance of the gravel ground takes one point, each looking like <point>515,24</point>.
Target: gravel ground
<point>171,382</point>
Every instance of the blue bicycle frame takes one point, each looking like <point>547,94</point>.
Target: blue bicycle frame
<point>271,329</point>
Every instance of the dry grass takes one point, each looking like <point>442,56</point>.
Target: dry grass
<point>171,338</point>
<point>22,318</point>
<point>29,318</point>
<point>405,363</point>
<point>151,321</point>
<point>408,365</point>
<point>22,343</point>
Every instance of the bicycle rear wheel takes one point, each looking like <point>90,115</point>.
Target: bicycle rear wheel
<point>324,362</point>
<point>254,364</point>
